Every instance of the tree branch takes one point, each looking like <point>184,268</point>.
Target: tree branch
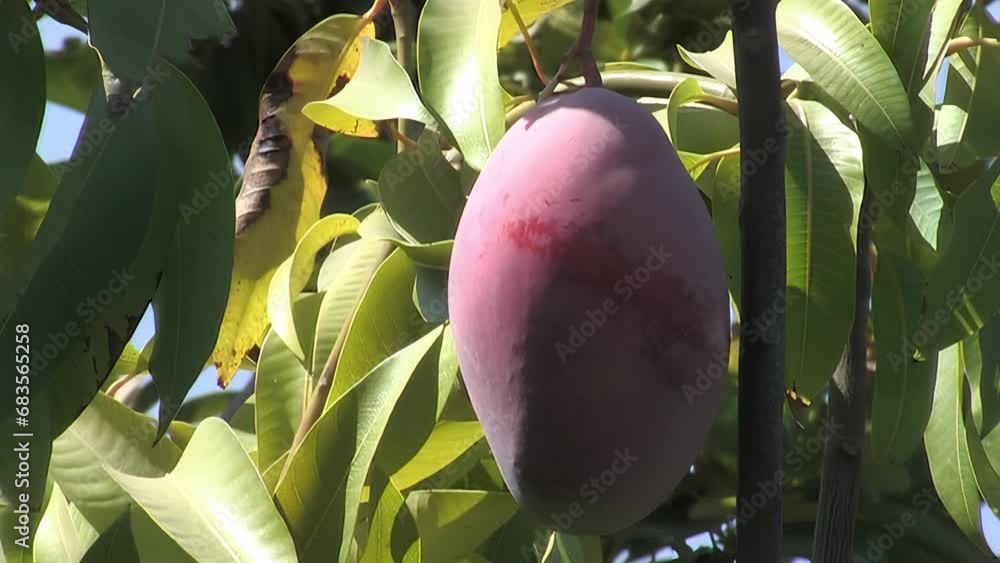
<point>404,19</point>
<point>841,480</point>
<point>762,227</point>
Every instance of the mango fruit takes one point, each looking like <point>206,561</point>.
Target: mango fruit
<point>587,294</point>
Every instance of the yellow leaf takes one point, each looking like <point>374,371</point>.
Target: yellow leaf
<point>284,181</point>
<point>531,11</point>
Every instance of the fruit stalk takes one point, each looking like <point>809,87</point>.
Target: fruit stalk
<point>581,51</point>
<point>840,483</point>
<point>762,229</point>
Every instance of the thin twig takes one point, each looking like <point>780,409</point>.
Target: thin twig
<point>840,484</point>
<point>405,142</point>
<point>960,43</point>
<point>536,60</point>
<point>727,105</point>
<point>762,231</point>
<point>404,19</point>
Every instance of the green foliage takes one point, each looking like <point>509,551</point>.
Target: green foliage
<point>392,464</point>
<point>457,67</point>
<point>21,107</point>
<point>844,59</point>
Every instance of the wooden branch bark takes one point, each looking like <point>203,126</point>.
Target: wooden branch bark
<point>841,480</point>
<point>762,227</point>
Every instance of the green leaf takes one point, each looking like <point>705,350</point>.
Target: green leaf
<point>564,548</point>
<point>824,183</point>
<point>454,523</point>
<point>986,477</point>
<point>960,297</point>
<point>386,321</point>
<point>725,218</point>
<point>945,18</point>
<point>131,36</point>
<point>421,193</point>
<point>927,206</point>
<point>116,545</point>
<point>947,447</point>
<point>126,365</point>
<point>281,396</point>
<point>989,344</point>
<point>686,92</point>
<point>21,220</point>
<point>345,274</point>
<point>64,535</point>
<point>899,26</point>
<point>214,503</point>
<point>892,176</point>
<point>320,494</point>
<point>293,274</point>
<point>377,226</point>
<point>379,90</point>
<point>392,531</point>
<point>197,409</point>
<point>842,57</point>
<point>457,66</point>
<point>450,441</point>
<point>718,62</point>
<point>152,543</point>
<point>193,291</point>
<point>903,387</point>
<point>434,255</point>
<point>273,473</point>
<point>430,294</point>
<point>520,539</point>
<point>71,73</point>
<point>108,435</point>
<point>113,268</point>
<point>702,129</point>
<point>972,94</point>
<point>22,101</point>
<point>181,433</point>
<point>420,408</point>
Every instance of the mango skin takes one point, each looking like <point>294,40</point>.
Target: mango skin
<point>585,209</point>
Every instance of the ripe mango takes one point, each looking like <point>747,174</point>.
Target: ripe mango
<point>586,294</point>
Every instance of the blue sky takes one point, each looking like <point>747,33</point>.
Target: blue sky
<point>62,125</point>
